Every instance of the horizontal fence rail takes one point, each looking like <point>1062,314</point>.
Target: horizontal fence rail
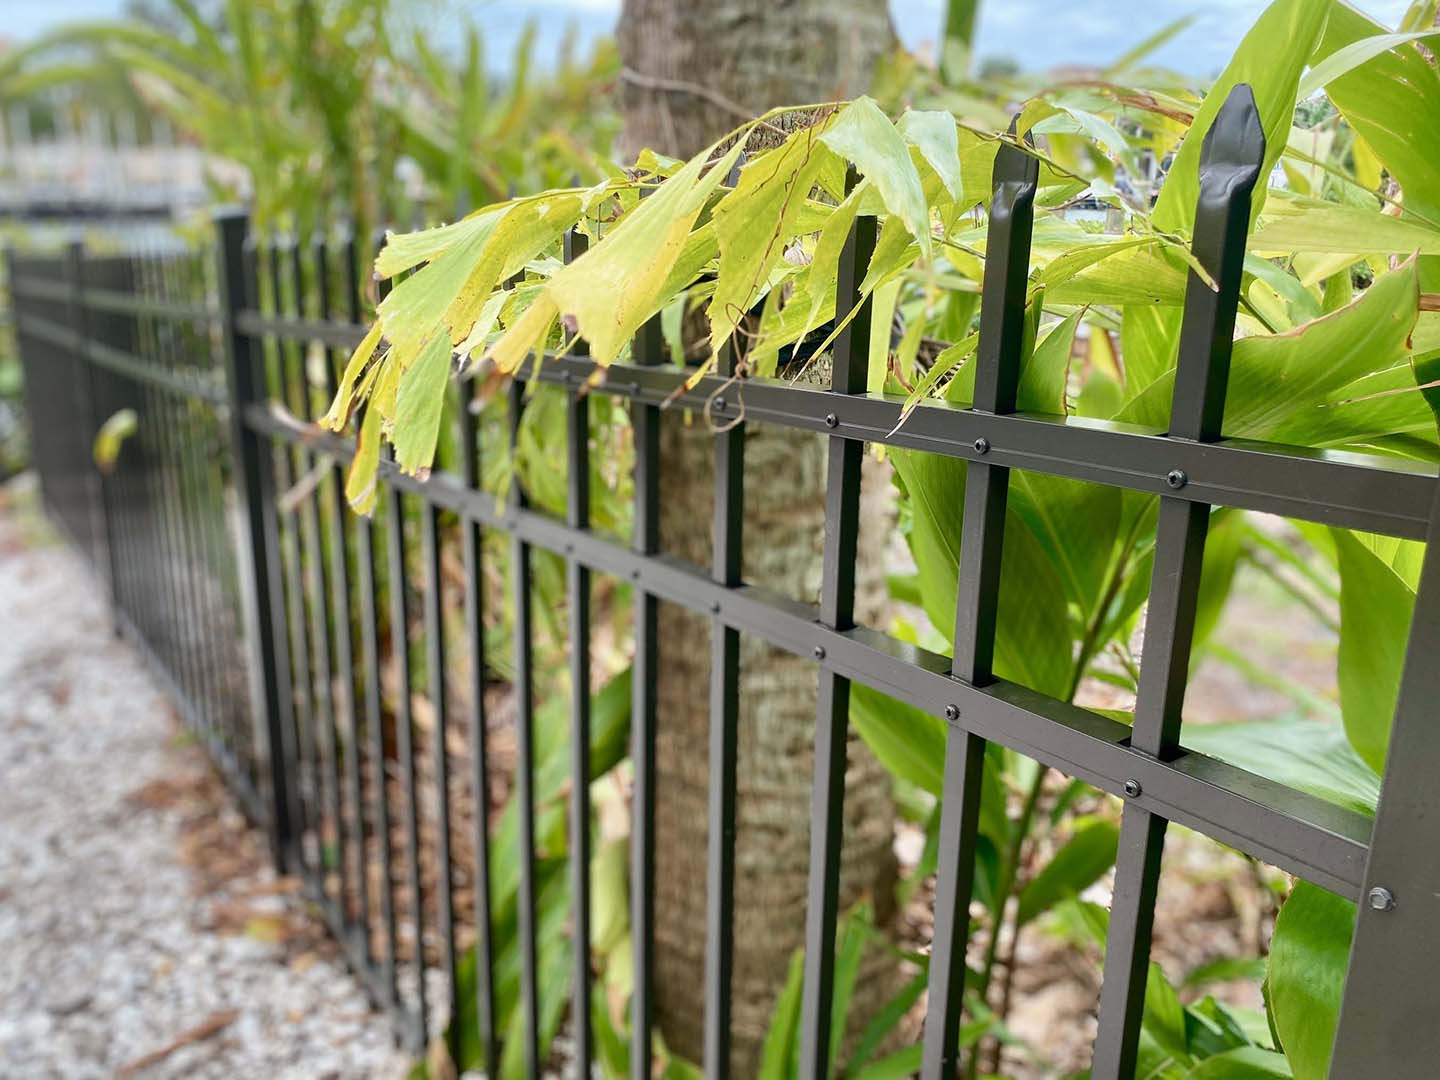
<point>362,668</point>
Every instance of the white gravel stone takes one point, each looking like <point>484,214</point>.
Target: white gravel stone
<point>105,955</point>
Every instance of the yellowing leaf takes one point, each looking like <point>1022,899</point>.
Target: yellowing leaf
<point>640,253</point>
<point>526,335</point>
<point>754,222</point>
<point>525,230</point>
<point>111,437</point>
<point>360,488</point>
<point>339,412</point>
<point>865,137</point>
<point>405,251</point>
<point>419,405</point>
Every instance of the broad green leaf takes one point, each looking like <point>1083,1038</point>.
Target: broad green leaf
<point>1164,1019</point>
<point>865,137</point>
<point>1343,61</point>
<point>525,230</point>
<point>1149,340</point>
<point>1083,860</point>
<point>897,1066</point>
<point>886,1021</point>
<point>1285,387</point>
<point>526,335</point>
<point>360,487</point>
<point>1046,371</point>
<point>934,134</point>
<point>1072,262</point>
<point>1144,275</point>
<point>854,933</point>
<point>778,1051</point>
<point>1076,525</point>
<point>1305,754</point>
<point>415,309</point>
<point>1271,58</point>
<point>908,742</point>
<point>1309,956</point>
<point>1293,223</point>
<point>1243,1063</point>
<point>1376,606</point>
<point>1033,644</point>
<point>1426,369</point>
<point>1393,102</point>
<point>1224,544</point>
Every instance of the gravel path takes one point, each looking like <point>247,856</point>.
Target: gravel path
<point>141,933</point>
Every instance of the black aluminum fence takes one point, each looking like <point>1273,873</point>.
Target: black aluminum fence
<point>336,759</point>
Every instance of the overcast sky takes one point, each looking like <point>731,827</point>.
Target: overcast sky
<point>1038,33</point>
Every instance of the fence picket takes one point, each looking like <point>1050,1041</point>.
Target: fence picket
<point>997,375</point>
<point>1229,169</point>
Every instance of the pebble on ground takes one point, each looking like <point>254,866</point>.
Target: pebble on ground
<point>141,931</point>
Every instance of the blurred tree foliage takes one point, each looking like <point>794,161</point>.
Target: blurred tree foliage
<point>338,108</point>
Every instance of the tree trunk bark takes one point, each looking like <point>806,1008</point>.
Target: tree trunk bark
<point>693,71</point>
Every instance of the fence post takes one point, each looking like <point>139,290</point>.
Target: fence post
<point>1387,1019</point>
<point>261,574</point>
<point>88,416</point>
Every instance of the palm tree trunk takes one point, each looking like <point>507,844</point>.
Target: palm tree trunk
<point>693,71</point>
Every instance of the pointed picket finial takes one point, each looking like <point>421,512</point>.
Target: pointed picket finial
<point>1012,164</point>
<point>1233,152</point>
<point>1016,180</point>
<point>1231,160</point>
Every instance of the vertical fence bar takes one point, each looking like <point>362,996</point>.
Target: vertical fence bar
<point>435,663</point>
<point>375,717</point>
<point>84,389</point>
<point>473,541</point>
<point>340,601</point>
<point>191,465</point>
<point>405,743</point>
<point>724,723</point>
<point>288,468</point>
<point>837,611</point>
<point>261,590</point>
<point>524,748</point>
<point>350,280</point>
<point>997,375</point>
<point>644,675</point>
<point>331,583</point>
<point>1230,165</point>
<point>314,592</point>
<point>577,437</point>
